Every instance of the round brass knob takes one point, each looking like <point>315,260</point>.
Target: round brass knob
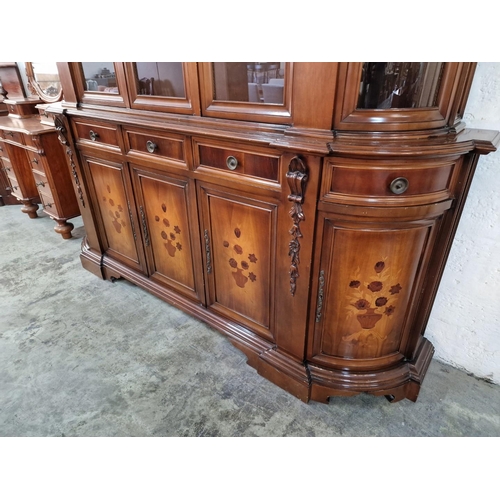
<point>399,185</point>
<point>93,135</point>
<point>151,146</point>
<point>231,162</point>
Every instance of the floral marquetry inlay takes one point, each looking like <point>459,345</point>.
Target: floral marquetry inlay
<point>242,264</point>
<point>371,297</point>
<point>169,230</point>
<point>115,210</point>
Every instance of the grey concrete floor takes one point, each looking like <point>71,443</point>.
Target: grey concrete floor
<point>84,357</point>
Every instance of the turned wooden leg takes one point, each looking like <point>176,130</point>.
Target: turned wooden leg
<point>64,228</point>
<point>30,208</point>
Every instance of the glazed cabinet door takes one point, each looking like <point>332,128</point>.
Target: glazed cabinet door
<point>118,226</point>
<point>164,203</point>
<point>368,285</point>
<point>239,237</point>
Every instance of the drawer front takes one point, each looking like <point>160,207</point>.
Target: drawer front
<point>11,136</point>
<point>42,183</point>
<point>258,163</point>
<point>36,161</point>
<point>6,166</point>
<point>14,184</point>
<point>97,133</point>
<point>157,144</point>
<point>387,183</point>
<point>48,204</point>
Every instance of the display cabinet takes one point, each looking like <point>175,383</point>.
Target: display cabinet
<point>305,210</point>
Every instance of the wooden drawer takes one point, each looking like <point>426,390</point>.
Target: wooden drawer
<point>14,183</point>
<point>42,183</point>
<point>32,141</point>
<point>11,136</point>
<point>150,143</point>
<point>369,183</point>
<point>231,159</point>
<point>6,165</point>
<point>36,161</point>
<point>48,203</point>
<point>97,132</point>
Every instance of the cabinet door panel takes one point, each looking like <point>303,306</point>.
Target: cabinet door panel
<point>118,229</point>
<point>369,275</point>
<point>240,234</point>
<point>164,204</point>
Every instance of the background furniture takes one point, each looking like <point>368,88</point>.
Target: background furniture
<point>35,165</point>
<point>313,232</point>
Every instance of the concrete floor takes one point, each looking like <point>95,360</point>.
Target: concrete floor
<point>84,357</point>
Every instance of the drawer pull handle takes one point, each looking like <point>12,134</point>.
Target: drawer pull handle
<point>35,160</point>
<point>93,135</point>
<point>151,146</point>
<point>48,205</point>
<point>6,169</point>
<point>9,133</point>
<point>41,183</point>
<point>399,185</point>
<point>231,163</point>
<point>16,187</point>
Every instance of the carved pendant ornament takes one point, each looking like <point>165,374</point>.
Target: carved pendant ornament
<point>61,134</point>
<point>297,179</point>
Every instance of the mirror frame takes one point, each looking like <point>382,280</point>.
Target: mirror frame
<point>35,88</point>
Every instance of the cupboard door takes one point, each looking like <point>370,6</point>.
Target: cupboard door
<point>163,204</point>
<point>110,188</point>
<point>370,275</point>
<point>239,234</point>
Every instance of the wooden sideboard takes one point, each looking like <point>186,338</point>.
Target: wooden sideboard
<point>312,231</point>
<point>35,166</point>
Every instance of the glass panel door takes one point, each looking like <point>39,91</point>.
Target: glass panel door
<point>254,91</point>
<point>387,85</point>
<point>249,82</point>
<point>99,77</point>
<point>163,86</point>
<point>101,83</point>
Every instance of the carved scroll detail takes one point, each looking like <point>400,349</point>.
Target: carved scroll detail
<point>63,139</point>
<point>297,179</point>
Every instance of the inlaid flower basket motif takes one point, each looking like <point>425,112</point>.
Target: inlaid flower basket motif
<point>372,298</point>
<point>241,262</point>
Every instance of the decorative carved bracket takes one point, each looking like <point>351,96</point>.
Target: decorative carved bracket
<point>297,178</point>
<point>63,139</point>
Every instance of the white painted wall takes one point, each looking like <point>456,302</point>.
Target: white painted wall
<point>465,322</point>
